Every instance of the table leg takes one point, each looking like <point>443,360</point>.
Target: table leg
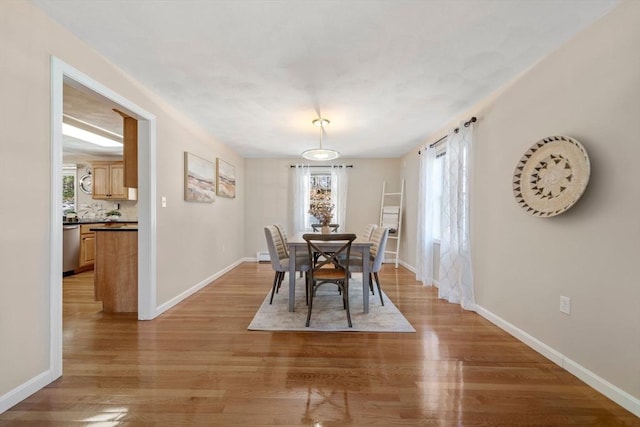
<point>365,279</point>
<point>292,277</point>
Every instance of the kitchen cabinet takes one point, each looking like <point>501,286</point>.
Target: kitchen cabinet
<point>108,182</point>
<point>130,149</point>
<point>88,243</point>
<point>87,247</point>
<point>116,268</point>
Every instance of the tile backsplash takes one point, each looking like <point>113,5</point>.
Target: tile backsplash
<point>96,209</point>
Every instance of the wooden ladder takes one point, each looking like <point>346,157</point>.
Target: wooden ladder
<point>391,217</point>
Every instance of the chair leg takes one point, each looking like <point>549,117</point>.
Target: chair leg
<point>310,306</point>
<point>371,284</point>
<point>345,299</point>
<point>275,285</point>
<point>379,291</point>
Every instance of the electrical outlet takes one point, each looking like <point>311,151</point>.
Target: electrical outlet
<point>565,305</point>
<point>164,202</point>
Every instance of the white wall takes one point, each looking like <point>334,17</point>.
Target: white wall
<point>195,241</point>
<point>590,90</point>
<point>268,199</point>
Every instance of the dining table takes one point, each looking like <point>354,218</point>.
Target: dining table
<point>297,245</point>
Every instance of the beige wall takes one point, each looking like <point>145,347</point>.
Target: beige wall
<point>194,241</point>
<point>268,202</point>
<point>590,90</point>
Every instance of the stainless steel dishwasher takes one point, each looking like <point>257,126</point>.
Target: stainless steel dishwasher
<point>70,248</point>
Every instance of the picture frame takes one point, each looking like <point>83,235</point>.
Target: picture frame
<point>226,179</point>
<point>199,179</point>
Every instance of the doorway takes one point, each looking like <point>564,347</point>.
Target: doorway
<point>61,73</point>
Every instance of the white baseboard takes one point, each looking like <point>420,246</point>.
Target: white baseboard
<point>195,288</point>
<point>621,397</point>
<point>24,390</point>
<point>407,266</point>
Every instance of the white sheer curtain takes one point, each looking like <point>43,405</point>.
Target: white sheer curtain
<point>426,215</point>
<point>300,185</point>
<point>339,186</point>
<point>455,281</point>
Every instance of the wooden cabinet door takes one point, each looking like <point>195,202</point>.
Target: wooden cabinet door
<point>101,181</point>
<point>118,190</point>
<point>87,249</point>
<point>108,181</point>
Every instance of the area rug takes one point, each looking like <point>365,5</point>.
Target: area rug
<point>328,314</point>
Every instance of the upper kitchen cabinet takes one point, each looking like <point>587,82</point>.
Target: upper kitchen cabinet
<point>108,182</point>
<point>130,143</point>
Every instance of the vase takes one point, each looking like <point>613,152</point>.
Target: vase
<point>325,229</point>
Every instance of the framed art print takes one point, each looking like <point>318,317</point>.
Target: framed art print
<point>199,179</point>
<point>226,180</point>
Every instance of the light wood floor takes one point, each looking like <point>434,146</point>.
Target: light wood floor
<point>198,365</point>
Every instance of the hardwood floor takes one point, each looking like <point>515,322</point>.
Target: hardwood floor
<point>197,364</point>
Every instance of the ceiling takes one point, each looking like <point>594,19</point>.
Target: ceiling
<point>388,74</point>
<point>82,106</point>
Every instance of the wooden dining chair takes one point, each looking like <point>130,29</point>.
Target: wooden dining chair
<point>318,227</point>
<point>331,266</point>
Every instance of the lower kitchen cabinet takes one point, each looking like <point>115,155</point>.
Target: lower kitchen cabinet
<point>87,247</point>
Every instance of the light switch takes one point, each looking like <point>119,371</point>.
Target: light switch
<point>164,202</point>
<point>565,305</point>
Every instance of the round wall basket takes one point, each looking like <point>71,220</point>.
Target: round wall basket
<point>551,176</point>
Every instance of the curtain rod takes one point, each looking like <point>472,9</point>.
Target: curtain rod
<point>466,124</point>
<point>320,166</point>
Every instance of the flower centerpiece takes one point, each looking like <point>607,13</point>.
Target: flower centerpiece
<point>322,211</point>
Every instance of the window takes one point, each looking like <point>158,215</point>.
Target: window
<point>328,184</point>
<point>69,174</point>
<point>319,192</point>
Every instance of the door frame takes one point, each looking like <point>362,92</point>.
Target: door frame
<point>147,251</point>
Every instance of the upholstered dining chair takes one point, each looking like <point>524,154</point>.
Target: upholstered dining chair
<point>278,255</point>
<point>368,230</point>
<point>283,235</point>
<point>379,242</point>
<point>331,267</point>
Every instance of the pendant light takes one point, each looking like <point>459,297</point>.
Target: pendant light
<point>319,154</point>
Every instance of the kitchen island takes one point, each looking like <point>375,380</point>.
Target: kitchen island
<point>116,268</point>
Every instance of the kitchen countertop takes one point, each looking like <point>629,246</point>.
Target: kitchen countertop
<point>97,221</point>
<point>116,228</point>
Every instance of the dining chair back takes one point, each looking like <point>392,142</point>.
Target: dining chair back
<point>283,236</point>
<point>378,239</point>
<point>332,266</point>
<point>279,256</point>
<point>318,227</point>
<point>368,230</point>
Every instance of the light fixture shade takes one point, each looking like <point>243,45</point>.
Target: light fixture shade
<point>319,154</point>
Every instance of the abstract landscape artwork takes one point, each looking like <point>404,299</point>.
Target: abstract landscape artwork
<point>199,180</point>
<point>226,182</point>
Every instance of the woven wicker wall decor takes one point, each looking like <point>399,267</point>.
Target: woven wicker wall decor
<point>551,176</point>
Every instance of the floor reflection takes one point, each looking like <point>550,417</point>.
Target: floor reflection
<point>326,407</point>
